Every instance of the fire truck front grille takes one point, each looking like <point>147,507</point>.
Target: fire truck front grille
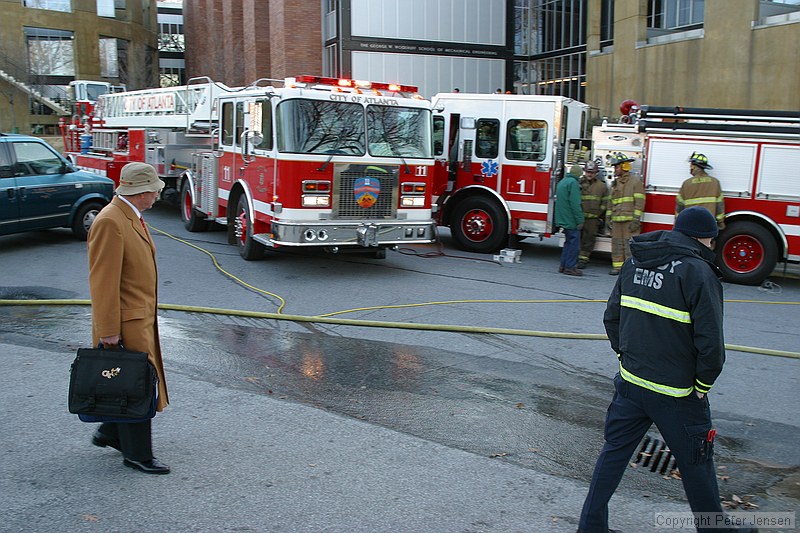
<point>379,181</point>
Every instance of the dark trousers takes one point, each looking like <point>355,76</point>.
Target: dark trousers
<point>683,422</point>
<point>572,244</point>
<point>134,439</point>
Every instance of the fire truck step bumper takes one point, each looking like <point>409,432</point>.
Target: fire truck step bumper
<point>343,233</point>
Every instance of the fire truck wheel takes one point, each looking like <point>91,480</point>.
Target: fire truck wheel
<point>191,219</point>
<point>248,248</point>
<point>84,218</point>
<point>746,253</point>
<point>479,225</point>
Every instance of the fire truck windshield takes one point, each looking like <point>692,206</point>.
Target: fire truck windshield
<point>398,131</point>
<point>330,128</point>
<point>320,127</point>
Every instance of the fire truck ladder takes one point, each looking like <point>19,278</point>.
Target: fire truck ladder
<point>190,107</point>
<point>731,122</point>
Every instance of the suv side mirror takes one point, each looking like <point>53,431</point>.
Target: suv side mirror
<point>6,172</point>
<point>66,168</point>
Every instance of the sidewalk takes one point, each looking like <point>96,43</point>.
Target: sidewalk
<point>247,462</point>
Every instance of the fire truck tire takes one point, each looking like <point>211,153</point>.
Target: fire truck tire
<point>746,253</point>
<point>249,249</point>
<point>479,225</point>
<point>191,218</point>
<point>84,218</point>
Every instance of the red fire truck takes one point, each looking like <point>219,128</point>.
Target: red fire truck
<point>498,159</point>
<point>318,162</point>
<point>755,155</point>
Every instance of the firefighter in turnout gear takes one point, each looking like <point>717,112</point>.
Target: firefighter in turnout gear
<point>625,209</point>
<point>701,190</point>
<point>664,321</point>
<point>594,201</point>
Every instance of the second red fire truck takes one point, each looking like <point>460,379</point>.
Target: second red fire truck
<point>499,158</point>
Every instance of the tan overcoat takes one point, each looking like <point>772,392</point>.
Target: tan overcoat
<point>123,284</point>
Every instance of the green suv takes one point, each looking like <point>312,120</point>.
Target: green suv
<point>39,189</point>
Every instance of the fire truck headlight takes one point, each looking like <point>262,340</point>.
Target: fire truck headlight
<point>309,235</point>
<point>421,232</point>
<point>409,232</point>
<point>313,200</point>
<point>412,201</point>
<point>322,235</point>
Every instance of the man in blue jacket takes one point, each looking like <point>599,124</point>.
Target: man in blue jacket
<point>664,321</point>
<point>569,216</point>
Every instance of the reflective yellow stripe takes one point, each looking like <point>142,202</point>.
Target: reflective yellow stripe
<point>655,387</point>
<point>638,195</point>
<point>701,387</point>
<point>621,218</point>
<point>622,199</point>
<point>591,197</point>
<point>655,309</point>
<point>703,200</point>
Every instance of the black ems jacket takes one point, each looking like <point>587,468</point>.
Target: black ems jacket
<point>664,316</point>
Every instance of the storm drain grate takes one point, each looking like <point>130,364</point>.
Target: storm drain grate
<point>655,455</point>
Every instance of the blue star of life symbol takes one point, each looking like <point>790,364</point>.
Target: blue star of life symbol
<point>489,168</point>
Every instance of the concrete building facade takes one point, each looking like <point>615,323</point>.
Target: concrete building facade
<point>45,44</point>
<point>739,54</point>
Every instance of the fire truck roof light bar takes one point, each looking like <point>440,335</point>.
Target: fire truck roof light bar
<point>358,84</point>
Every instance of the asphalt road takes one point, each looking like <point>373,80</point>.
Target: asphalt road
<point>531,403</point>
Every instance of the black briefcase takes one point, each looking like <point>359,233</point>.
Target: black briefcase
<point>112,385</point>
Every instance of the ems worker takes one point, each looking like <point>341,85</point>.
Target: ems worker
<point>702,190</point>
<point>594,201</point>
<point>625,209</point>
<point>664,321</point>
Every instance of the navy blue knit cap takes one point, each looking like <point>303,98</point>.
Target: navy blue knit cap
<point>696,222</point>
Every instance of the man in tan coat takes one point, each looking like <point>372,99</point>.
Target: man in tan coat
<point>123,283</point>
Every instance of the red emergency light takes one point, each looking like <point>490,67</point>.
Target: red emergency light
<point>344,82</point>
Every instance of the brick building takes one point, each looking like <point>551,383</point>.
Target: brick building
<point>239,41</point>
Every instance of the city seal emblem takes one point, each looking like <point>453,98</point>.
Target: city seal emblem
<point>366,191</point>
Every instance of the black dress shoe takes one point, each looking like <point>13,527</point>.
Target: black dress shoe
<point>101,440</point>
<point>153,466</point>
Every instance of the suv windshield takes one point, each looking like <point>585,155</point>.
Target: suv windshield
<point>319,127</point>
<point>398,131</point>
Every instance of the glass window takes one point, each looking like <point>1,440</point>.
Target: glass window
<point>671,14</point>
<point>526,140</point>
<point>320,127</point>
<point>227,123</point>
<point>488,134</point>
<point>239,129</point>
<point>35,159</point>
<point>105,8</point>
<point>52,5</point>
<point>438,135</point>
<point>109,62</point>
<point>50,52</point>
<point>266,125</point>
<point>398,131</point>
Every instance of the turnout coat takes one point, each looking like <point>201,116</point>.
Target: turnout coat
<point>123,283</point>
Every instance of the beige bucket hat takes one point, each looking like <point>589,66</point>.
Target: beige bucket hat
<point>137,178</point>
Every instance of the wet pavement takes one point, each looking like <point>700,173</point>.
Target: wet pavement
<point>538,415</point>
